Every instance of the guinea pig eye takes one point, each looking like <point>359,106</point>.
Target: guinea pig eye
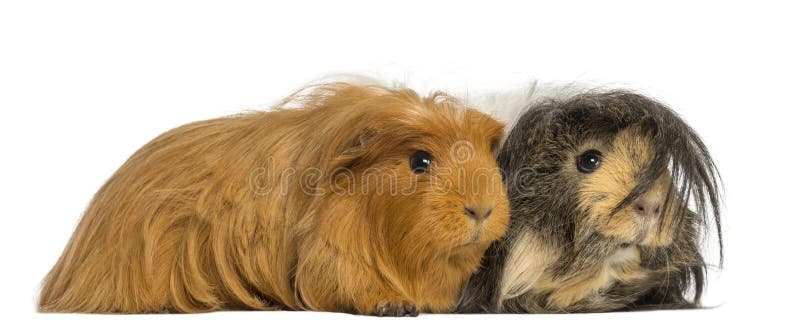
<point>420,161</point>
<point>589,161</point>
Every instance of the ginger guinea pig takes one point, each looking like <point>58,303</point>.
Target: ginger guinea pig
<point>348,198</point>
<point>610,193</point>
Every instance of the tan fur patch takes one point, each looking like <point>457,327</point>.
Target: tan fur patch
<point>622,163</point>
<point>622,266</point>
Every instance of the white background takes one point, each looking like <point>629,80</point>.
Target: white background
<point>84,84</point>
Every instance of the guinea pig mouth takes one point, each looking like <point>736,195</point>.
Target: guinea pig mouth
<point>643,228</point>
<point>474,236</point>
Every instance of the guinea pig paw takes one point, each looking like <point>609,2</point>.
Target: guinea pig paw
<point>395,308</point>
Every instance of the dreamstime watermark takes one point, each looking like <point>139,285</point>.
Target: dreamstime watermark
<point>314,181</point>
<point>462,152</point>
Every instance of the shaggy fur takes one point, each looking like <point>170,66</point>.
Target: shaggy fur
<point>312,206</point>
<point>576,241</point>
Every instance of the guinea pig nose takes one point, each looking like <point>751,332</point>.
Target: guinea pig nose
<point>645,208</point>
<point>478,214</point>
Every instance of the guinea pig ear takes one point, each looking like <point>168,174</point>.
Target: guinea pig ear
<point>360,141</point>
<point>494,130</point>
<point>495,144</point>
<point>354,149</point>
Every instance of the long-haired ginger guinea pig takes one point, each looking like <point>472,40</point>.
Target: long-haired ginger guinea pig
<point>610,194</point>
<point>348,198</point>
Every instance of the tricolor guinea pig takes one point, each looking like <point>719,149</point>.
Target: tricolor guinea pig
<point>610,193</point>
<point>349,198</point>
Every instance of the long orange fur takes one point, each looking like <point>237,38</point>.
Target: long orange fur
<point>208,216</point>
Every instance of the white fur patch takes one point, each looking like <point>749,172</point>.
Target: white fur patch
<point>619,260</point>
<point>527,260</point>
<point>508,106</point>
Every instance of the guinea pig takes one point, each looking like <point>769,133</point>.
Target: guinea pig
<point>610,193</point>
<point>350,198</point>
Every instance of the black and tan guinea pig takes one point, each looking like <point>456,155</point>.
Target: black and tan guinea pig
<point>610,195</point>
<point>345,197</point>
